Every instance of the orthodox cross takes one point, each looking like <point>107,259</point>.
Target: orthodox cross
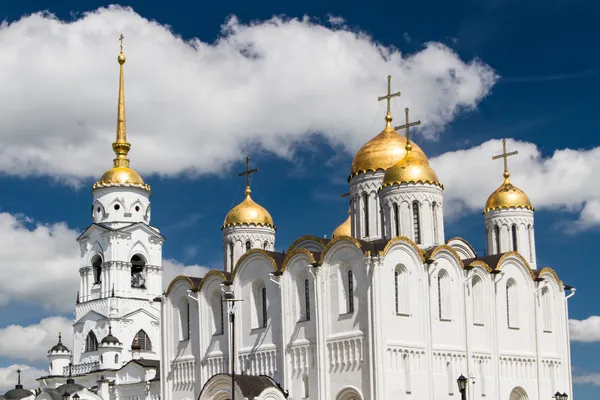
<point>18,377</point>
<point>347,195</point>
<point>121,40</point>
<point>248,171</point>
<point>407,126</point>
<point>505,155</point>
<point>389,95</point>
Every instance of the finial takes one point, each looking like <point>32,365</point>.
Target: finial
<point>505,156</point>
<point>407,126</point>
<point>247,173</point>
<point>59,337</point>
<point>388,97</point>
<point>110,330</point>
<point>19,377</point>
<point>121,146</point>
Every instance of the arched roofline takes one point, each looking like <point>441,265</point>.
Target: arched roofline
<point>210,274</point>
<point>463,241</point>
<point>251,253</point>
<point>177,279</point>
<point>514,254</point>
<point>479,263</point>
<point>318,240</point>
<point>344,239</point>
<point>430,255</point>
<point>404,240</point>
<point>292,254</point>
<point>550,271</point>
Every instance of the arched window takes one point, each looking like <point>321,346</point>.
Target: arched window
<point>512,304</point>
<point>144,340</point>
<point>547,309</point>
<point>97,268</point>
<point>366,211</point>
<point>443,286</point>
<point>265,245</point>
<point>518,394</point>
<point>217,311</point>
<point>416,222</point>
<point>231,256</point>
<point>515,242</point>
<point>91,343</point>
<point>434,212</point>
<point>396,212</point>
<point>350,292</point>
<point>184,319</point>
<point>248,245</point>
<point>401,290</point>
<point>306,308</point>
<point>138,278</point>
<point>116,358</point>
<point>477,299</point>
<point>497,237</point>
<point>265,317</point>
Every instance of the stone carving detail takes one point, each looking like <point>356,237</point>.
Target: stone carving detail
<point>258,362</point>
<point>183,373</point>
<point>517,367</point>
<point>345,354</point>
<point>301,358</point>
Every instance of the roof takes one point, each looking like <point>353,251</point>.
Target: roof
<point>53,393</point>
<point>252,386</point>
<point>491,261</point>
<point>17,393</point>
<point>277,256</point>
<point>69,388</point>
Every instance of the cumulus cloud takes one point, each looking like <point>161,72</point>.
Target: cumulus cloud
<point>591,379</point>
<point>192,106</point>
<point>32,342</point>
<point>8,377</point>
<point>172,268</point>
<point>587,330</point>
<point>560,181</point>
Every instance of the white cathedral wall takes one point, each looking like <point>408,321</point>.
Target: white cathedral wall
<point>260,237</point>
<point>120,206</point>
<point>214,341</point>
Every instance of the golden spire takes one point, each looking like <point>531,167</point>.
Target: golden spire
<point>505,156</point>
<point>121,146</point>
<point>388,98</point>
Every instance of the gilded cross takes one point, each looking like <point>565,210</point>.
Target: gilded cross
<point>389,95</point>
<point>505,155</point>
<point>248,171</point>
<point>121,40</point>
<point>407,126</point>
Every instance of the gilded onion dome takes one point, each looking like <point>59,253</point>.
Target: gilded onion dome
<point>410,170</point>
<point>507,196</point>
<point>383,151</point>
<point>120,174</point>
<point>344,230</point>
<point>248,212</point>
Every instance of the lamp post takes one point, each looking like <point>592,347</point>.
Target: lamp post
<point>559,396</point>
<point>229,297</point>
<point>462,386</point>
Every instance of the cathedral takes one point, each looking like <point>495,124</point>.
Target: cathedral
<point>388,308</point>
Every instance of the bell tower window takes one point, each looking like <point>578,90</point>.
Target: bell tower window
<point>514,238</point>
<point>97,268</point>
<point>138,272</point>
<point>91,343</point>
<point>248,245</point>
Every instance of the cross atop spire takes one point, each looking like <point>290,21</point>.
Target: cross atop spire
<point>121,40</point>
<point>505,156</point>
<point>19,377</point>
<point>388,98</point>
<point>247,173</point>
<point>407,126</point>
<point>121,146</point>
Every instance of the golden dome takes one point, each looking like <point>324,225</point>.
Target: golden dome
<point>507,196</point>
<point>344,229</point>
<point>248,213</point>
<point>410,170</point>
<point>120,174</point>
<point>383,151</point>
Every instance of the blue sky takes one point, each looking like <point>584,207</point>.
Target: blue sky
<point>527,72</point>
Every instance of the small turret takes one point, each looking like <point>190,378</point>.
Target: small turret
<point>110,351</point>
<point>59,356</point>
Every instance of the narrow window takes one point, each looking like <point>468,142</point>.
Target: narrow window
<point>497,237</point>
<point>514,238</point>
<point>443,296</point>
<point>230,256</point>
<point>416,222</point>
<point>350,292</point>
<point>366,201</point>
<point>91,343</point>
<point>189,325</point>
<point>482,377</point>
<point>477,299</point>
<point>265,245</point>
<point>97,269</point>
<point>217,311</point>
<point>547,309</point>
<point>143,340</point>
<point>138,278</point>
<point>529,229</point>
<point>248,245</point>
<point>184,320</point>
<point>305,385</point>
<point>264,307</point>
<point>396,219</point>
<point>406,367</point>
<point>401,290</point>
<point>116,358</point>
<point>306,300</point>
<point>451,378</point>
<point>512,299</point>
<point>222,319</point>
<point>435,222</point>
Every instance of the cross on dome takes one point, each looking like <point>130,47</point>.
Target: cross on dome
<point>505,156</point>
<point>407,126</point>
<point>388,97</point>
<point>247,172</point>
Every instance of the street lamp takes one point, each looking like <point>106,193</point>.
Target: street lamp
<point>462,386</point>
<point>559,396</point>
<point>229,297</point>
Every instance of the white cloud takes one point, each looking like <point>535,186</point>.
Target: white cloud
<point>172,268</point>
<point>32,342</point>
<point>593,379</point>
<point>8,377</point>
<point>38,263</point>
<point>561,181</point>
<point>192,106</point>
<point>587,330</point>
